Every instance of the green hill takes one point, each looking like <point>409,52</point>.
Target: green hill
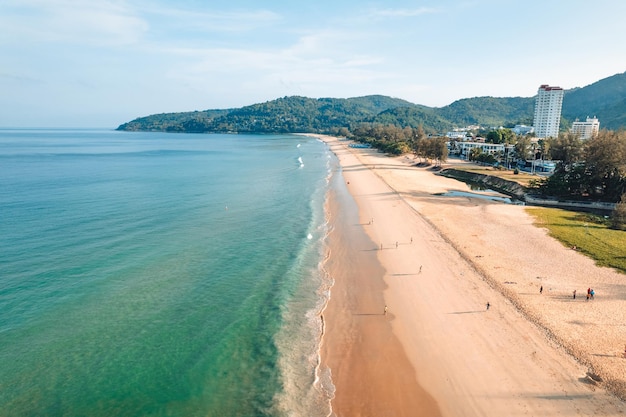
<point>490,111</point>
<point>605,99</point>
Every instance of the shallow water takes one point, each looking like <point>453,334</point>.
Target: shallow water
<point>160,274</point>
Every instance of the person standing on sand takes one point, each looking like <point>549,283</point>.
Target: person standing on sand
<point>574,294</point>
<point>541,290</point>
<point>488,305</point>
<point>385,310</point>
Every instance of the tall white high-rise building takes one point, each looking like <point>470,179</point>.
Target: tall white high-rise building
<point>548,111</point>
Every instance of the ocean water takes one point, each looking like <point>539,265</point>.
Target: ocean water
<point>152,274</point>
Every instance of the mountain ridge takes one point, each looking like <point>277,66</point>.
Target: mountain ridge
<point>605,99</point>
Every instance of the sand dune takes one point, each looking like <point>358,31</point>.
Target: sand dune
<point>436,262</point>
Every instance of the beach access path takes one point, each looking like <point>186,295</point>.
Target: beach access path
<point>434,263</point>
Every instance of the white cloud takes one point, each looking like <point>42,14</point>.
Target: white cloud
<point>214,21</point>
<point>402,12</point>
<point>103,22</point>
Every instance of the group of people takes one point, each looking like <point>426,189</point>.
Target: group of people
<point>590,293</point>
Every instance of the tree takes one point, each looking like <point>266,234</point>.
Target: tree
<point>618,217</point>
<point>544,148</point>
<point>500,136</point>
<point>605,159</point>
<point>523,147</point>
<point>494,136</point>
<point>439,150</point>
<point>474,154</point>
<point>567,148</point>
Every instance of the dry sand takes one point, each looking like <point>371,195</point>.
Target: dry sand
<point>438,350</point>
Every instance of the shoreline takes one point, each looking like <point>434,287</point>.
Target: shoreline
<point>358,342</point>
<point>437,276</point>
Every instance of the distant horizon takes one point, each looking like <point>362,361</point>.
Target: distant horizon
<point>276,98</point>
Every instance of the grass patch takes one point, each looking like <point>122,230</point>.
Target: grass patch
<point>590,234</point>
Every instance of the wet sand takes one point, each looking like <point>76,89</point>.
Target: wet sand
<point>438,350</point>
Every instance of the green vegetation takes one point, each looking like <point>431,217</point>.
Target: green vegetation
<point>618,217</point>
<point>490,111</point>
<point>605,99</point>
<point>500,136</point>
<point>387,138</point>
<point>284,115</point>
<point>397,141</point>
<point>594,169</point>
<point>588,233</point>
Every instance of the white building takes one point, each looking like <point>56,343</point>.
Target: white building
<point>548,111</point>
<point>587,129</point>
<point>522,129</point>
<point>457,134</point>
<point>463,149</point>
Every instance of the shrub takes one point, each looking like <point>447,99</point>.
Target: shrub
<point>618,217</point>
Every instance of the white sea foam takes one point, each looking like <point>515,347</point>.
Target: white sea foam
<point>307,385</point>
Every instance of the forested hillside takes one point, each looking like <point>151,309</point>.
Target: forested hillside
<point>605,99</point>
<point>283,115</point>
<point>490,111</point>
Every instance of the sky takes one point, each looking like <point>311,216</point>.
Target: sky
<point>100,63</point>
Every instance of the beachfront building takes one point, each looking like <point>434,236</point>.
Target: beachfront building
<point>548,111</point>
<point>586,129</point>
<point>522,129</point>
<point>463,149</point>
<point>457,135</point>
<point>503,153</point>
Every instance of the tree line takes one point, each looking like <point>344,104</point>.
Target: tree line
<point>593,168</point>
<point>397,141</point>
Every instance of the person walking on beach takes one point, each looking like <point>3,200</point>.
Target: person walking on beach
<point>574,294</point>
<point>592,293</point>
<point>385,310</point>
<point>488,305</point>
<point>541,290</point>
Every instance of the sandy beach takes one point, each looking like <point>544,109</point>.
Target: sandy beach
<point>407,328</point>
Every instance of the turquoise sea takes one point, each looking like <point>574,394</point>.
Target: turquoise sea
<point>154,274</point>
